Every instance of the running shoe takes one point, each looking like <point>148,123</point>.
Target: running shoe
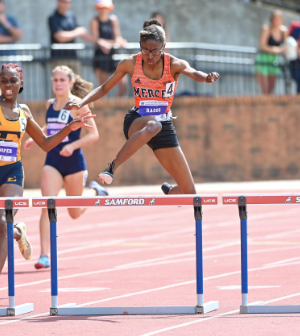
<point>107,175</point>
<point>166,187</point>
<point>99,190</point>
<point>24,244</point>
<point>43,262</point>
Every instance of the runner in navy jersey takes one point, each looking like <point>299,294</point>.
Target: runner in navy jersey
<point>65,164</point>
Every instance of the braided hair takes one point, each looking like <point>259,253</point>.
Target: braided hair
<point>15,67</point>
<point>11,66</point>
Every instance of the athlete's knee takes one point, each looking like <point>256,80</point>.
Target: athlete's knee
<point>3,226</point>
<point>74,214</point>
<point>189,189</point>
<point>153,127</point>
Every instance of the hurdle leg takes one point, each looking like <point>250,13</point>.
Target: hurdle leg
<point>52,213</point>
<point>245,307</point>
<point>244,249</point>
<point>201,307</point>
<point>12,310</point>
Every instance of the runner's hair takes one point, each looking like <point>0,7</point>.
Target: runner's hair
<point>81,87</point>
<point>153,30</point>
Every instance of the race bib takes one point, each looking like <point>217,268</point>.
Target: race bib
<point>170,89</point>
<point>8,151</point>
<point>23,123</point>
<point>55,128</point>
<point>152,108</point>
<point>63,116</point>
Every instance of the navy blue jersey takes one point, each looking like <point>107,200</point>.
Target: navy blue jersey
<point>55,121</point>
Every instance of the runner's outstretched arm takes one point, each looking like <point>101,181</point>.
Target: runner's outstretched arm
<point>102,90</point>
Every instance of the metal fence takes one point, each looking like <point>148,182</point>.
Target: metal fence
<point>236,66</point>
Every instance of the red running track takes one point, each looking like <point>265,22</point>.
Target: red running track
<point>146,256</point>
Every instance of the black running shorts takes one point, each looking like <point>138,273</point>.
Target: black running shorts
<point>166,138</point>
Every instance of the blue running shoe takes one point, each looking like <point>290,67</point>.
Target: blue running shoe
<point>43,262</point>
<point>99,190</point>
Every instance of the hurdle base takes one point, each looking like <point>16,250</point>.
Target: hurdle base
<point>54,310</point>
<point>150,310</point>
<point>18,310</point>
<point>207,307</point>
<point>270,309</point>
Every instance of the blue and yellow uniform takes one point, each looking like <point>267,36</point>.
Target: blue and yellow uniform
<point>11,134</point>
<point>66,165</point>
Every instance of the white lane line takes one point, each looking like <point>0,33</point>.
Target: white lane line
<point>115,268</point>
<point>205,319</point>
<point>78,289</point>
<point>134,221</point>
<point>253,218</point>
<point>120,241</point>
<point>184,254</point>
<point>282,261</point>
<point>162,288</point>
<point>138,220</point>
<point>234,287</point>
<point>283,234</point>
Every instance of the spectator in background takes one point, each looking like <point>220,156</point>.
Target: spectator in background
<point>162,19</point>
<point>295,64</point>
<point>64,29</point>
<point>105,30</point>
<point>10,31</point>
<point>271,45</point>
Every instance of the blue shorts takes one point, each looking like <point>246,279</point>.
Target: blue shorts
<point>12,174</point>
<point>66,165</point>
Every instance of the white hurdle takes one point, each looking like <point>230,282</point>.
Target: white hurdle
<point>9,204</point>
<point>127,201</point>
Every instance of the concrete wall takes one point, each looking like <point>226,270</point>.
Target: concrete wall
<point>224,139</point>
<point>212,21</point>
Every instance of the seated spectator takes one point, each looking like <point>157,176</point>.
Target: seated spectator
<point>64,29</point>
<point>162,19</point>
<point>271,44</point>
<point>10,31</point>
<point>106,31</point>
<point>295,64</point>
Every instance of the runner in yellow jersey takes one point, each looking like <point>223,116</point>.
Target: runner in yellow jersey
<point>15,119</point>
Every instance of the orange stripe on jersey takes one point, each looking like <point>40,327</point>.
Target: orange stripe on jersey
<point>11,134</point>
<point>145,88</point>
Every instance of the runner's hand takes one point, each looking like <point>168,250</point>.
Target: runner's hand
<point>72,106</point>
<point>81,121</point>
<point>212,77</point>
<point>67,150</point>
<point>28,143</point>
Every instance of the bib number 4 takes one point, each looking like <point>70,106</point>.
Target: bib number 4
<point>170,89</point>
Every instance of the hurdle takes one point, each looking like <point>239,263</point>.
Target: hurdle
<point>177,200</point>
<point>9,204</point>
<point>241,201</point>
